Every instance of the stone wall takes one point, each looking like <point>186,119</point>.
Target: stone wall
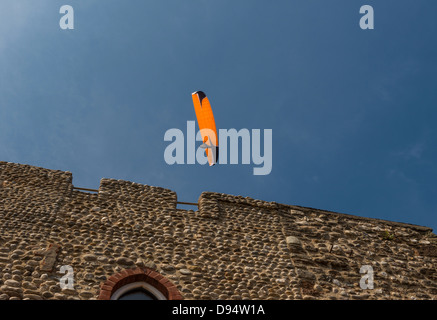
<point>230,248</point>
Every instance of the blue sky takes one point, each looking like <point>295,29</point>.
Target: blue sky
<point>353,112</point>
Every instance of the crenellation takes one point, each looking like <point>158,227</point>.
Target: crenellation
<point>30,179</point>
<point>232,247</point>
<point>136,193</point>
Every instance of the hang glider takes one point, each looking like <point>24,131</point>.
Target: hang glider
<point>206,122</point>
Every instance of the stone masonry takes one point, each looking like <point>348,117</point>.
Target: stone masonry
<point>232,247</point>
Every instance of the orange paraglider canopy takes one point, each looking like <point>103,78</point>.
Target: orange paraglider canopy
<point>205,119</point>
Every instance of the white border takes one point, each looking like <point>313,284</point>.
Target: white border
<point>135,285</point>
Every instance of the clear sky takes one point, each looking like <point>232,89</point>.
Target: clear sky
<point>353,111</point>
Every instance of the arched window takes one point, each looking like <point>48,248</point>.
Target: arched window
<point>138,284</point>
<point>138,291</point>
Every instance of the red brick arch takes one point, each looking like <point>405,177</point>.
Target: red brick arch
<point>126,276</point>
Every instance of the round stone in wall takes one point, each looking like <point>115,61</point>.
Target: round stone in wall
<point>185,272</point>
<point>292,240</point>
<point>124,261</point>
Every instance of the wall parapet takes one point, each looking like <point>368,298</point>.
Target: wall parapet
<point>232,247</point>
<point>136,192</point>
<point>13,175</point>
<point>209,206</point>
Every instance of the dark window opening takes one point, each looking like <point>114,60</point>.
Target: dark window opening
<point>137,294</point>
